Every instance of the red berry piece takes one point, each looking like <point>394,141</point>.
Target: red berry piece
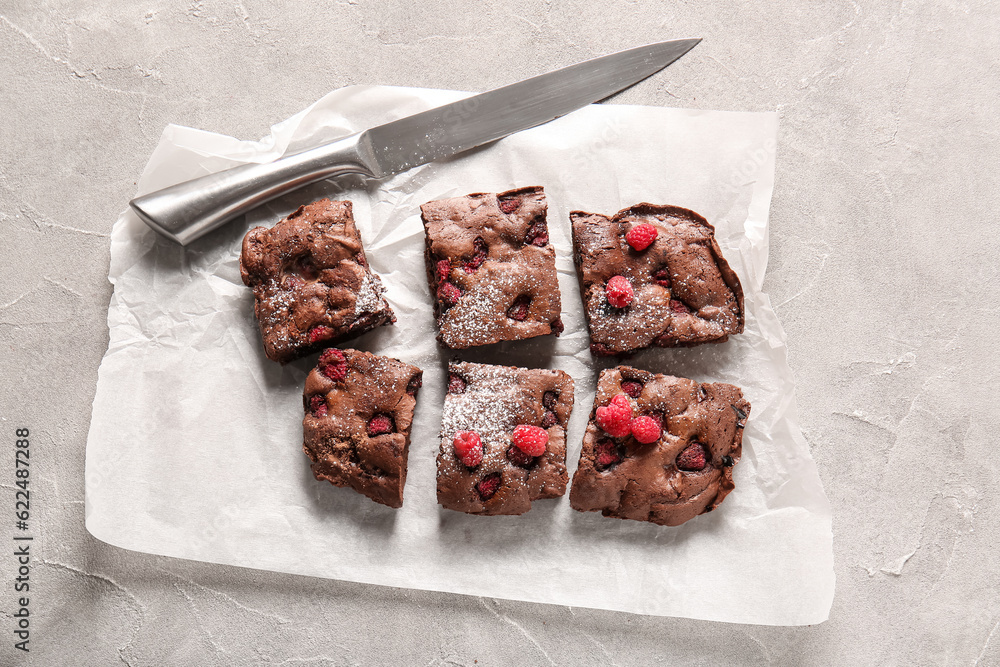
<point>443,270</point>
<point>468,448</point>
<point>333,364</point>
<point>317,406</point>
<point>678,307</point>
<point>380,424</point>
<point>662,278</point>
<point>519,458</point>
<point>293,282</point>
<point>320,332</point>
<point>488,485</point>
<point>531,440</point>
<point>519,309</point>
<point>448,294</point>
<point>456,384</point>
<point>510,205</point>
<point>619,292</point>
<point>549,419</point>
<point>646,429</point>
<point>549,400</point>
<point>615,418</point>
<point>361,259</point>
<point>641,236</point>
<point>607,454</point>
<point>632,387</point>
<point>693,458</point>
<point>538,235</point>
<point>414,385</point>
<point>478,256</point>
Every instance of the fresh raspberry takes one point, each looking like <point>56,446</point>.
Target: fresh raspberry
<point>519,458</point>
<point>478,256</point>
<point>645,429</point>
<point>380,424</point>
<point>632,387</point>
<point>619,291</point>
<point>662,278</point>
<point>510,205</point>
<point>641,236</point>
<point>678,307</point>
<point>606,454</point>
<point>317,406</point>
<point>693,458</point>
<point>530,439</point>
<point>448,294</point>
<point>415,383</point>
<point>333,364</point>
<point>615,417</point>
<point>538,235</point>
<point>319,333</point>
<point>488,485</point>
<point>520,308</point>
<point>443,270</point>
<point>456,384</point>
<point>549,419</point>
<point>468,448</point>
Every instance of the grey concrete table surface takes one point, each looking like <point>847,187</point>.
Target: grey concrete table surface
<point>883,271</point>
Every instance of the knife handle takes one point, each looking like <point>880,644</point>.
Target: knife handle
<point>189,210</point>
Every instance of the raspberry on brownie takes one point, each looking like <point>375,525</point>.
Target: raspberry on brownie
<point>503,438</point>
<point>675,460</point>
<point>491,269</point>
<point>356,428</point>
<point>311,282</point>
<point>654,276</point>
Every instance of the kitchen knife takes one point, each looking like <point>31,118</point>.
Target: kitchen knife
<point>189,210</point>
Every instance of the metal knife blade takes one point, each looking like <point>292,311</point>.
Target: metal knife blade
<point>189,210</point>
<point>480,119</point>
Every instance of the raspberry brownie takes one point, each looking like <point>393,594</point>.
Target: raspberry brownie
<point>654,276</point>
<point>491,269</point>
<point>356,429</point>
<point>311,283</point>
<point>503,438</point>
<point>658,448</point>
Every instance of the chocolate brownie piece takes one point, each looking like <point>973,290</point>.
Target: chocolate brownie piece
<point>658,448</point>
<point>654,276</point>
<point>491,268</point>
<point>311,283</point>
<point>356,429</point>
<point>503,438</point>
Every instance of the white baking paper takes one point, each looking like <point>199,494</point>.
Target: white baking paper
<point>195,449</point>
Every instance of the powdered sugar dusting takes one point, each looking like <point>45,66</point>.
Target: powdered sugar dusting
<point>369,298</point>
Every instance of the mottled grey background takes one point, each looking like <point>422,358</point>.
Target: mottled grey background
<point>884,272</point>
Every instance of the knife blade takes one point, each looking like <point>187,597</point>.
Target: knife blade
<point>189,210</point>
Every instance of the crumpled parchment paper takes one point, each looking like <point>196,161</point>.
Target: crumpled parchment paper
<point>194,448</point>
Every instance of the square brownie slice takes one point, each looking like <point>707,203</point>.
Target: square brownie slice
<point>654,276</point>
<point>311,283</point>
<point>356,428</point>
<point>503,438</point>
<point>491,269</point>
<point>658,448</point>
